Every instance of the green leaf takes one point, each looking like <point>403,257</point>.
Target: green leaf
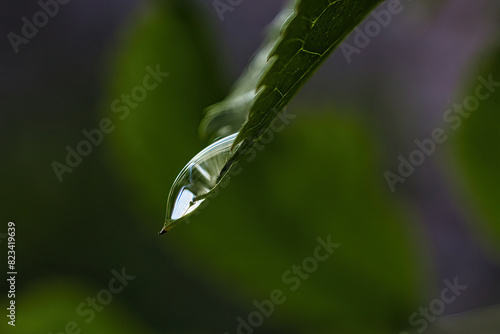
<point>300,40</point>
<point>60,306</point>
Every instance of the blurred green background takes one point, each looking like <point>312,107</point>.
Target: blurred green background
<point>322,176</point>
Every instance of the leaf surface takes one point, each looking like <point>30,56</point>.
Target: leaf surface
<point>299,41</point>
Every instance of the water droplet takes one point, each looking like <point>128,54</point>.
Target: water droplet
<point>196,180</point>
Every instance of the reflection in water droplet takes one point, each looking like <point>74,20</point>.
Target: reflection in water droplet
<point>196,180</point>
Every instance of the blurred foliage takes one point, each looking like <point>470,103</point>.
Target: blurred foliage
<point>485,320</point>
<point>60,299</point>
<point>475,148</point>
<point>162,38</point>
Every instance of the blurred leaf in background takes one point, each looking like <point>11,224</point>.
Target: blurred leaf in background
<point>475,148</point>
<point>63,311</point>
